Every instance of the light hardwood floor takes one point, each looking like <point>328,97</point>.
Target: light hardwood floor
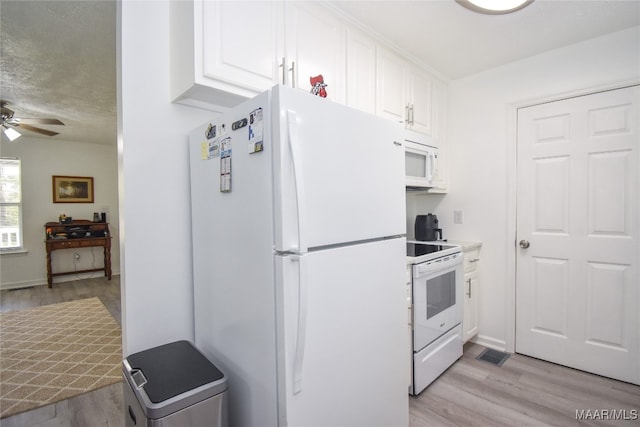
<point>524,391</point>
<point>107,290</point>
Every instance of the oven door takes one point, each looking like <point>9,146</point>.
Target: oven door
<point>437,299</point>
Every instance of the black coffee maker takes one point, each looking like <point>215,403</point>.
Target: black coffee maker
<point>426,228</point>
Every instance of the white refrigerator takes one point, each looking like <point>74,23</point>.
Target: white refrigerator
<point>298,220</point>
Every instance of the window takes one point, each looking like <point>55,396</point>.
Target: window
<point>10,205</point>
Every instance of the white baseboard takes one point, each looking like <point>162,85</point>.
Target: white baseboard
<point>490,342</point>
<point>20,285</point>
<point>43,281</point>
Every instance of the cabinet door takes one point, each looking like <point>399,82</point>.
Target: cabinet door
<point>470,320</point>
<point>240,43</point>
<point>361,72</point>
<point>439,181</point>
<point>439,105</point>
<point>315,44</point>
<point>390,94</point>
<point>420,99</point>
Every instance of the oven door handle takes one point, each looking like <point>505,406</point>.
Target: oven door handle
<point>420,270</point>
<point>438,266</point>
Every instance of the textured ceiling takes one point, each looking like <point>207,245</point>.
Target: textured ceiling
<point>58,58</point>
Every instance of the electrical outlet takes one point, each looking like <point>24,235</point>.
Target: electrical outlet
<point>76,255</point>
<point>457,217</point>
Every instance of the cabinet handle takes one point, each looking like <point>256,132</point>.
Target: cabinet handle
<point>406,114</point>
<point>293,73</point>
<point>284,70</point>
<point>469,291</point>
<point>411,111</point>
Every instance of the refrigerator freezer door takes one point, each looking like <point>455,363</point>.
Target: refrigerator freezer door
<point>338,173</point>
<point>348,366</point>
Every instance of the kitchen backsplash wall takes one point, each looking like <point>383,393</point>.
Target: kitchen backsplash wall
<point>420,203</point>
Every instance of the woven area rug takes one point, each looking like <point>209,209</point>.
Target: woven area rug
<point>55,352</point>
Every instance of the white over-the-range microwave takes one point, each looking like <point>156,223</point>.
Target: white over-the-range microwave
<point>420,160</point>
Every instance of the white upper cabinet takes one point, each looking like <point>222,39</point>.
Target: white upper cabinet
<point>404,93</point>
<point>315,45</point>
<point>241,42</point>
<point>223,52</point>
<point>390,88</point>
<point>361,71</point>
<point>419,101</point>
<point>438,131</point>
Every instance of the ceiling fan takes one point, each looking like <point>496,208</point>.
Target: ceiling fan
<point>9,122</point>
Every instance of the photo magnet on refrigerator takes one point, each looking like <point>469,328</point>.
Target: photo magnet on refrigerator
<point>210,133</point>
<point>256,131</point>
<point>225,165</point>
<point>210,149</point>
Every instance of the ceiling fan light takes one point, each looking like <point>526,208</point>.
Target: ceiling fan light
<point>10,133</point>
<point>494,7</point>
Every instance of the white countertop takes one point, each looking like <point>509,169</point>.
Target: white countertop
<point>467,245</point>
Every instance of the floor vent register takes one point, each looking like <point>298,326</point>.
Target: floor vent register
<point>494,357</point>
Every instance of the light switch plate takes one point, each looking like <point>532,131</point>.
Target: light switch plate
<point>457,217</point>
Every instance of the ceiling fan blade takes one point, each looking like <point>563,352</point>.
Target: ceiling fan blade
<point>41,121</point>
<point>35,129</point>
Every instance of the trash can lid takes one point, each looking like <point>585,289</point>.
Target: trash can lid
<point>174,369</point>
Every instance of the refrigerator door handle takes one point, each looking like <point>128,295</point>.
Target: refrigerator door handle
<point>294,148</point>
<point>302,326</point>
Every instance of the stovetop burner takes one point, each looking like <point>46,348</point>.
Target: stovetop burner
<point>416,249</point>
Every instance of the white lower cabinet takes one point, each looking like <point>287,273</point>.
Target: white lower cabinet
<point>410,323</point>
<point>471,289</point>
<point>470,321</point>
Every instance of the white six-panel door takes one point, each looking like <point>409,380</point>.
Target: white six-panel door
<point>578,191</point>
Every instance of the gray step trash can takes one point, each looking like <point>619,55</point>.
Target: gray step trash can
<point>174,385</point>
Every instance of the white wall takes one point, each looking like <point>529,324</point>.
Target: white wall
<point>482,152</point>
<point>156,275</point>
<point>41,159</point>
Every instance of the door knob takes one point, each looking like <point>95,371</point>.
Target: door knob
<point>524,244</point>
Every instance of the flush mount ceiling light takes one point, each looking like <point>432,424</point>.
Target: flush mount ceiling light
<point>495,7</point>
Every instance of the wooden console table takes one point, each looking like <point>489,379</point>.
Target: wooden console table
<point>77,234</point>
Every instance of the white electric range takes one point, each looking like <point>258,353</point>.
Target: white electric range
<point>418,251</point>
<point>437,309</point>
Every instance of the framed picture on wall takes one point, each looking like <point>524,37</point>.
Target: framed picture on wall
<point>72,189</point>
